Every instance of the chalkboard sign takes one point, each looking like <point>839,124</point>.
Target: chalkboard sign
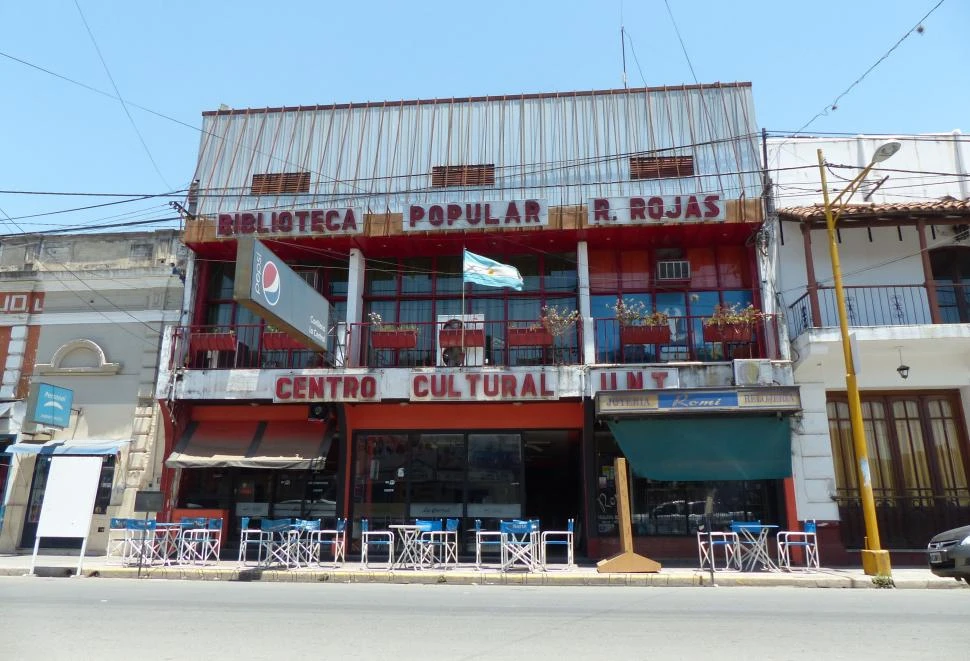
<point>149,501</point>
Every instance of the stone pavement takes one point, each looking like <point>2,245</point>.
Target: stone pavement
<point>584,574</point>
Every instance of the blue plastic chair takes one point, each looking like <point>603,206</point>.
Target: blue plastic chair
<point>806,539</point>
<point>335,539</point>
<point>558,538</point>
<point>378,538</point>
<point>485,538</point>
<point>250,536</point>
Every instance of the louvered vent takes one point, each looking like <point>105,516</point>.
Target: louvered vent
<point>444,176</point>
<point>661,167</point>
<point>281,183</point>
<point>673,270</point>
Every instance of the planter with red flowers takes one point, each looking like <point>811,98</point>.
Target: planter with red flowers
<point>391,336</point>
<point>732,324</point>
<point>637,326</point>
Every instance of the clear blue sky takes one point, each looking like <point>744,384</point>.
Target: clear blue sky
<point>180,57</point>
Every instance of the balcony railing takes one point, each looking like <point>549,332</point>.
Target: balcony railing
<point>502,343</point>
<point>685,341</point>
<point>242,346</point>
<point>889,305</point>
<point>498,343</point>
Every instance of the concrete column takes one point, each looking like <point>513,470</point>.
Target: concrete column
<point>350,333</point>
<point>588,325</point>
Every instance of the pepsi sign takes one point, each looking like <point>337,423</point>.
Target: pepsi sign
<point>271,289</point>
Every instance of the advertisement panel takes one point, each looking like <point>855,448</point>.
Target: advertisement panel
<point>50,405</point>
<point>277,293</point>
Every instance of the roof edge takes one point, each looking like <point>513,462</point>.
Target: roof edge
<point>475,99</point>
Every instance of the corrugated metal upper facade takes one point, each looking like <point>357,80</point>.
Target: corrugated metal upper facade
<point>563,148</point>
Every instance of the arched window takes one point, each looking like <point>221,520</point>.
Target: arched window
<point>951,272</point>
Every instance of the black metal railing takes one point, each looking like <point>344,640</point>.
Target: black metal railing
<point>906,521</point>
<point>887,305</point>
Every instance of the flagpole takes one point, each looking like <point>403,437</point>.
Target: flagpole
<point>463,305</point>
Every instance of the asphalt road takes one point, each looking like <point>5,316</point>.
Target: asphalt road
<point>80,619</point>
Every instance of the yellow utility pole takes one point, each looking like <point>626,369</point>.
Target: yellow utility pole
<point>875,561</point>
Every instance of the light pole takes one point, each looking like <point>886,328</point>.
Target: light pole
<point>875,561</point>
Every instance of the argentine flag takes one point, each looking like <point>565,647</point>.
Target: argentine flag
<point>488,272</point>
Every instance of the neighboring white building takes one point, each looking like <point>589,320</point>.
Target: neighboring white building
<point>83,313</point>
<point>905,259</point>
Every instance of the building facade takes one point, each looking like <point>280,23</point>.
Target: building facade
<point>905,255</point>
<point>421,395</point>
<point>80,333</point>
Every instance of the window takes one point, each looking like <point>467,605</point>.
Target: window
<point>951,271</point>
<point>916,448</point>
<point>445,176</point>
<point>281,183</point>
<point>661,167</point>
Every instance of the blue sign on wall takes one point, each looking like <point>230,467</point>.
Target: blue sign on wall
<point>53,405</point>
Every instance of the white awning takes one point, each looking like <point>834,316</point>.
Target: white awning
<point>77,447</point>
<point>293,445</point>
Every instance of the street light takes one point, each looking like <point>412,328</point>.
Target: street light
<point>875,561</point>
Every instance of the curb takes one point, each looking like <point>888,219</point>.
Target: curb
<point>464,577</point>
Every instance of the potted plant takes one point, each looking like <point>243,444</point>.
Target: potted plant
<point>276,340</point>
<point>391,336</point>
<point>637,326</point>
<point>554,322</point>
<point>213,340</point>
<point>531,335</point>
<point>732,324</point>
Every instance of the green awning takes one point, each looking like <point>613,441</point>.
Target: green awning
<point>706,448</point>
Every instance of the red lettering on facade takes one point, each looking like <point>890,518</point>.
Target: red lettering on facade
<point>677,211</point>
<point>419,386</point>
<point>532,209</point>
<point>283,386</point>
<point>637,207</point>
<point>225,225</point>
<point>508,385</point>
<point>368,387</point>
<point>655,208</point>
<point>331,220</point>
<point>301,218</point>
<point>299,387</point>
<point>350,387</point>
<point>543,390</point>
<point>490,385</point>
<point>601,209</point>
<point>488,216</point>
<point>472,380</point>
<point>512,213</point>
<point>693,209</point>
<point>659,378</point>
<point>634,380</point>
<point>528,387</point>
<point>350,221</point>
<point>473,214</point>
<point>415,214</point>
<point>315,388</point>
<point>712,208</point>
<point>317,221</point>
<point>454,213</point>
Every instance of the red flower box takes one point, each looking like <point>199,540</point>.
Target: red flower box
<point>728,333</point>
<point>277,341</point>
<point>469,337</point>
<point>394,339</point>
<point>201,341</point>
<point>645,334</point>
<point>529,337</point>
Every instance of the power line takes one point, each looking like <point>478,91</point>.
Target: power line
<point>835,104</point>
<point>131,119</point>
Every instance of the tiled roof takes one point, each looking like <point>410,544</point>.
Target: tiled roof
<point>946,206</point>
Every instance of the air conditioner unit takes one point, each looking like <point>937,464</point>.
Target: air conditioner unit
<point>472,353</point>
<point>753,373</point>
<point>675,270</point>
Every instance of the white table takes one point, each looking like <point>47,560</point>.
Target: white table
<point>753,539</point>
<point>410,553</point>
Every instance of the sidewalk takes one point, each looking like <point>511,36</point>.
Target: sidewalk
<point>97,566</point>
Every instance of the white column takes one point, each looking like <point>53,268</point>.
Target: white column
<point>589,327</point>
<point>355,307</point>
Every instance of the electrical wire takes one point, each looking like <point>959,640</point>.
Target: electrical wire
<point>114,86</point>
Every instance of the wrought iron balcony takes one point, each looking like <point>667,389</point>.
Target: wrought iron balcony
<point>888,305</point>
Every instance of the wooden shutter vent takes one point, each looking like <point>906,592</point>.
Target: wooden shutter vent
<point>281,183</point>
<point>443,176</point>
<point>661,167</point>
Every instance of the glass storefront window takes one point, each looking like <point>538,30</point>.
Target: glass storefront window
<point>677,508</point>
<point>437,476</point>
<point>494,476</point>
<point>380,487</point>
